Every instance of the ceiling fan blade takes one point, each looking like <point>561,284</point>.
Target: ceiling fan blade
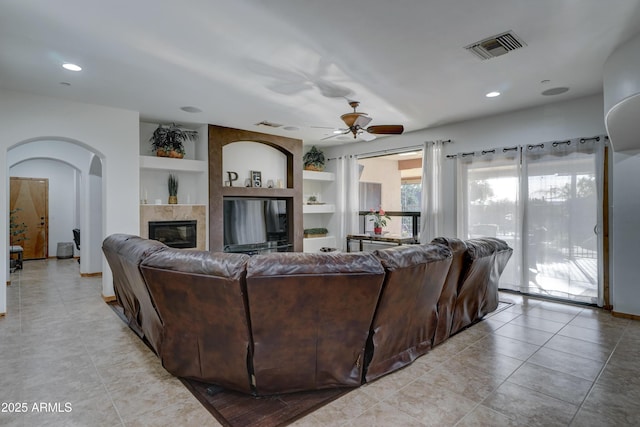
<point>386,129</point>
<point>365,136</point>
<point>335,135</point>
<point>362,121</point>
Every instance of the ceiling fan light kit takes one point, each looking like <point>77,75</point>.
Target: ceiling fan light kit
<point>357,120</point>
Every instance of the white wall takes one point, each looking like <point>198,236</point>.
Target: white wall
<point>626,232</point>
<point>111,133</point>
<point>62,196</point>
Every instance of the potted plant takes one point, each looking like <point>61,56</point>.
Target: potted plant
<point>313,160</point>
<point>379,219</point>
<point>172,184</point>
<point>315,232</point>
<point>17,230</point>
<point>168,141</point>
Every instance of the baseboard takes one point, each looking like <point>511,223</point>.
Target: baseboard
<point>98,274</point>
<point>625,315</point>
<point>109,299</point>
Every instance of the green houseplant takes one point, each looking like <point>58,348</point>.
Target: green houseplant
<point>315,232</point>
<point>168,141</point>
<point>172,184</point>
<point>313,160</point>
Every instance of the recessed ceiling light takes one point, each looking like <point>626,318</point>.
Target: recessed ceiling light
<point>337,131</point>
<point>555,91</point>
<point>190,109</point>
<point>65,83</point>
<point>71,67</point>
<point>291,128</point>
<point>492,94</point>
<point>544,82</point>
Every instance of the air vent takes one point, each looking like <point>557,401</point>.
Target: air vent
<point>496,45</point>
<point>268,124</point>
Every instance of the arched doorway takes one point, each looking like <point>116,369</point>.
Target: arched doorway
<point>81,191</point>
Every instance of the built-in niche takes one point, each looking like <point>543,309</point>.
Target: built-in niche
<point>243,161</point>
<point>279,163</point>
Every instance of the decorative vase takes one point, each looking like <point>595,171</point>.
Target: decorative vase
<point>173,200</point>
<point>162,153</point>
<point>175,154</point>
<point>377,230</point>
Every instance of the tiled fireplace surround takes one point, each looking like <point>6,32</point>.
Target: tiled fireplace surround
<point>175,213</point>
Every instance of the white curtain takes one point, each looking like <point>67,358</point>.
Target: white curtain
<point>347,180</point>
<point>489,202</point>
<point>432,215</point>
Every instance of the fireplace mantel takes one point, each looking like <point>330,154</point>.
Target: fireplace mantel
<point>175,212</point>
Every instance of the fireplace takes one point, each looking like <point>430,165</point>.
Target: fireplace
<point>176,234</point>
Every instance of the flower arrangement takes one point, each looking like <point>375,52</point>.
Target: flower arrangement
<point>379,218</point>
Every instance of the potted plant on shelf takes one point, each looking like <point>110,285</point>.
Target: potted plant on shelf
<point>172,184</point>
<point>315,232</point>
<point>313,160</point>
<point>379,219</point>
<point>168,141</point>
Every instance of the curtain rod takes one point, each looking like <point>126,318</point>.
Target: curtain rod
<point>392,150</point>
<point>381,152</point>
<point>554,144</point>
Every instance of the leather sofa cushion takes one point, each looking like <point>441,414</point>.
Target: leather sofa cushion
<point>310,317</point>
<point>201,299</point>
<point>124,252</point>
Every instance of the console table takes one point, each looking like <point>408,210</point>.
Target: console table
<point>372,238</point>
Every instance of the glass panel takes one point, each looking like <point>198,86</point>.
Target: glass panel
<point>562,249</point>
<point>391,182</point>
<point>492,208</point>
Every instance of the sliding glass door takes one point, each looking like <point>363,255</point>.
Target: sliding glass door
<point>545,201</point>
<point>561,219</point>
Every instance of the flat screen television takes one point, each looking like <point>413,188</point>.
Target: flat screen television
<point>254,225</point>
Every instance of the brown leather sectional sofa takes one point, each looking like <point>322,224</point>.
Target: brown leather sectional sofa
<point>286,322</point>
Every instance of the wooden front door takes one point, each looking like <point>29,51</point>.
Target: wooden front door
<point>30,197</point>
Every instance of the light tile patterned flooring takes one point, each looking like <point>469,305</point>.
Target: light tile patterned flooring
<point>537,363</point>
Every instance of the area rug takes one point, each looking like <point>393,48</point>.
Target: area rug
<point>233,409</point>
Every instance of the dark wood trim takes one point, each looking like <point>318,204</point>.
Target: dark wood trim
<point>219,136</point>
<point>625,315</point>
<point>109,299</point>
<point>98,274</point>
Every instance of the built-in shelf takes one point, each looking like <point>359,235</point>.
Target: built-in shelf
<point>326,208</point>
<point>169,164</point>
<point>257,192</point>
<point>318,176</point>
<point>173,204</point>
<point>313,244</point>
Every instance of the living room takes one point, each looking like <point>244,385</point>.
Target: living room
<point>112,133</point>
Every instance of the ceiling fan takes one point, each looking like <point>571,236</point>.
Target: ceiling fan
<point>357,120</point>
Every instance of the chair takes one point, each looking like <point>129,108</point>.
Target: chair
<point>76,239</point>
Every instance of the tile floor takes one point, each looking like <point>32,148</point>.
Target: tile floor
<point>535,363</point>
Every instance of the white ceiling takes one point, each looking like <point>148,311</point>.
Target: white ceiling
<point>288,62</point>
